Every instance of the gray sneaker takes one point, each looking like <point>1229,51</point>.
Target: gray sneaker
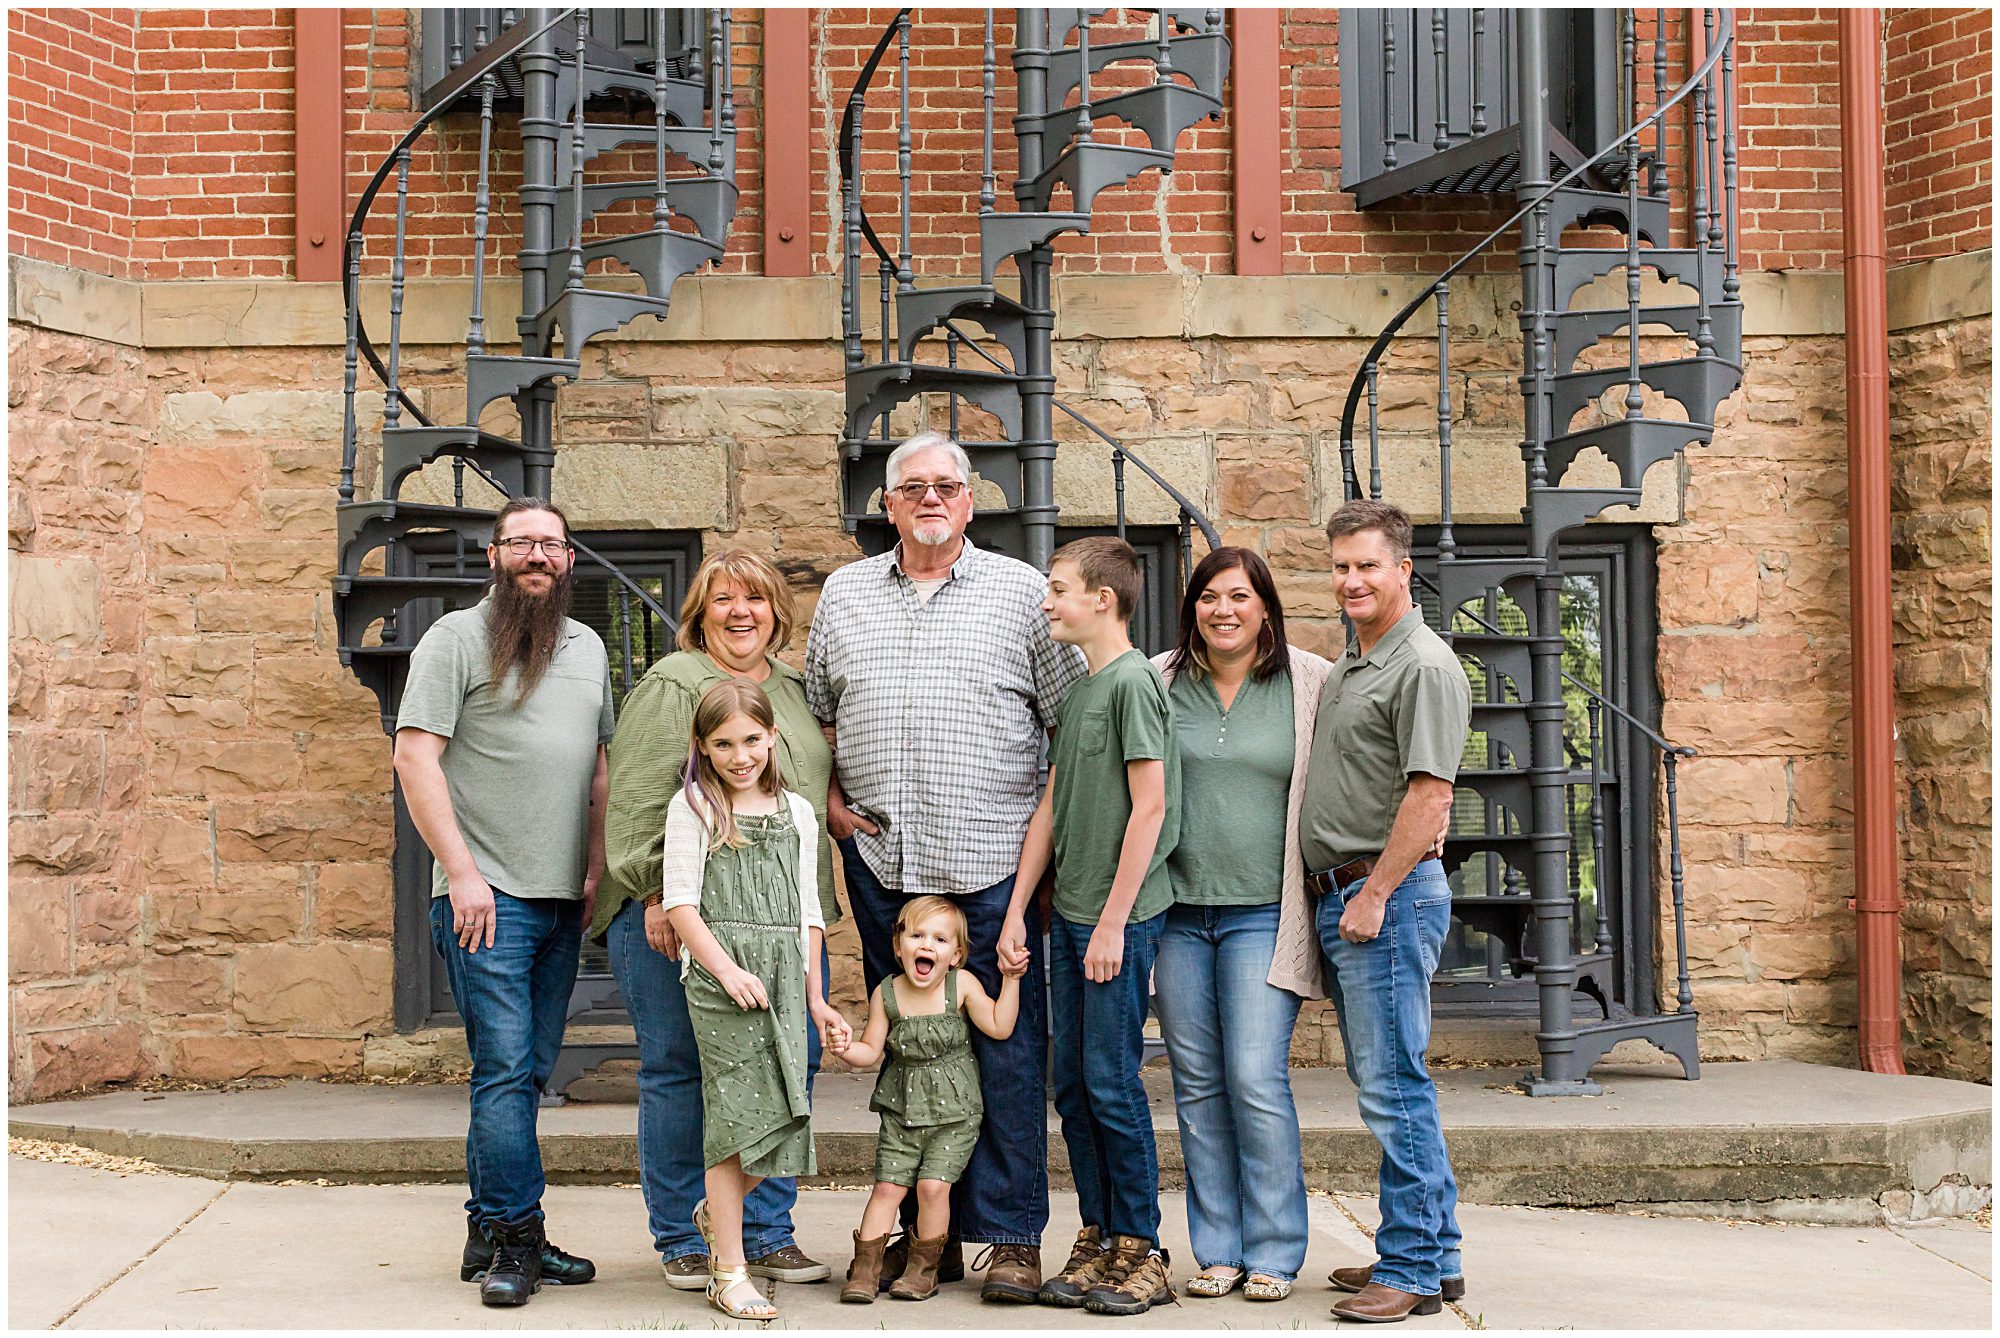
<point>687,1272</point>
<point>791,1264</point>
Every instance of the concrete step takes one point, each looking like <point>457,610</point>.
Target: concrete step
<point>1774,1138</point>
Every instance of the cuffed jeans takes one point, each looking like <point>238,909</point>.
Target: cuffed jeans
<point>1229,1038</point>
<point>514,998</point>
<point>1100,1043</point>
<point>1003,1197</point>
<point>1382,989</point>
<point>670,1115</point>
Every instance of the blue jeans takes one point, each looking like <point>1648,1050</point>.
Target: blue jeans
<point>1106,1123</point>
<point>1382,989</point>
<point>1003,1197</point>
<point>1229,1037</point>
<point>514,998</point>
<point>670,1118</point>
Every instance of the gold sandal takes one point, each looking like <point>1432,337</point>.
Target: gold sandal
<point>1206,1283</point>
<point>722,1280</point>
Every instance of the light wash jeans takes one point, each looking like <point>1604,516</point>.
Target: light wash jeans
<point>1229,1037</point>
<point>670,1160</point>
<point>514,999</point>
<point>1382,989</point>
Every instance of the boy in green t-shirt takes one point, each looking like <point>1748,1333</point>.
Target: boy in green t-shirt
<point>1110,816</point>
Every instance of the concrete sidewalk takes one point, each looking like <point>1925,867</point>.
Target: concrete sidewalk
<point>93,1249</point>
<point>1776,1139</point>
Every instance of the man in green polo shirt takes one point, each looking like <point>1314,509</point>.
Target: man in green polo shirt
<point>1386,744</point>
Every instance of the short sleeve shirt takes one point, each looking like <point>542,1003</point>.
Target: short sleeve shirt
<point>939,708</point>
<point>1401,709</point>
<point>1117,715</point>
<point>519,776</point>
<point>1236,783</point>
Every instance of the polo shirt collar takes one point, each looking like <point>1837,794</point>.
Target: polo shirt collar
<point>1394,637</point>
<point>960,568</point>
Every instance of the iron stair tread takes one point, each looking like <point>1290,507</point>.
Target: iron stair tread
<point>867,385</point>
<point>1697,384</point>
<point>584,313</point>
<point>509,375</point>
<point>405,450</point>
<point>366,526</point>
<point>709,201</point>
<point>692,143</point>
<point>1181,107</point>
<point>360,600</point>
<point>685,98</point>
<point>1577,266</point>
<point>1576,331</point>
<point>921,310</point>
<point>1635,445</point>
<point>1062,22</point>
<point>1574,204</point>
<point>1201,56</point>
<point>1090,167</point>
<point>1002,235</point>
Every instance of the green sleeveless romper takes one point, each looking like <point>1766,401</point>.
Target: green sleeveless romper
<point>753,1061</point>
<point>928,1093</point>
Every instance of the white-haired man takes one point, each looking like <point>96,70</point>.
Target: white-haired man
<point>934,667</point>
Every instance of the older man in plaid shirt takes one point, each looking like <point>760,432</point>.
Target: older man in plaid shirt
<point>934,667</point>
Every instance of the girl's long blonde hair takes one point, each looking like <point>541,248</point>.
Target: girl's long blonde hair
<point>707,792</point>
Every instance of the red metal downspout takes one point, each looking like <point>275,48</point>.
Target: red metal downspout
<point>318,148</point>
<point>1877,905</point>
<point>1253,116</point>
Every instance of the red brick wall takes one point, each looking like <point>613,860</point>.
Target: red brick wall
<point>70,123</point>
<point>203,99</point>
<point>1939,132</point>
<point>212,177</point>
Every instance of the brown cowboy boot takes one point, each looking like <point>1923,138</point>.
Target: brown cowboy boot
<point>920,1276</point>
<point>1355,1278</point>
<point>864,1271</point>
<point>1377,1304</point>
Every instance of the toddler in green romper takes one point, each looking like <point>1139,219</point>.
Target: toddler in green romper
<point>928,1093</point>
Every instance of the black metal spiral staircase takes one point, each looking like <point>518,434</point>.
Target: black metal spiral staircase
<point>679,105</point>
<point>1672,205</point>
<point>923,350</point>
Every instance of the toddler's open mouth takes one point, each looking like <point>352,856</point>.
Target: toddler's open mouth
<point>922,966</point>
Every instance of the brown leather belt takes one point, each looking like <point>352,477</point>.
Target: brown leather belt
<point>1332,880</point>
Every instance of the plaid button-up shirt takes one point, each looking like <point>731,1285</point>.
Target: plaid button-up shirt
<point>939,711</point>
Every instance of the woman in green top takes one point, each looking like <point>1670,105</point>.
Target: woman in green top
<point>737,615</point>
<point>1237,955</point>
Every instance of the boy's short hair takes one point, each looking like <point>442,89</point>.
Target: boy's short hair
<point>1105,562</point>
<point>1385,518</point>
<point>918,909</point>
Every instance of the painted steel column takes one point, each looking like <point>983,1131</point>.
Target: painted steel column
<point>319,146</point>
<point>539,128</point>
<point>1555,963</point>
<point>1253,118</point>
<point>1877,906</point>
<point>1037,448</point>
<point>787,143</point>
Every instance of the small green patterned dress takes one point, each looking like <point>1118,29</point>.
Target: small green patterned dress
<point>753,1061</point>
<point>928,1093</point>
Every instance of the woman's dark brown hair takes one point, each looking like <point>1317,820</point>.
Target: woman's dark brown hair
<point>1273,655</point>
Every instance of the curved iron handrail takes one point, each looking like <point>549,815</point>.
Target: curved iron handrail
<point>1350,481</point>
<point>857,97</point>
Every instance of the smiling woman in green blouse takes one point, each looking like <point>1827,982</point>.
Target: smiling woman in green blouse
<point>1238,954</point>
<point>736,617</point>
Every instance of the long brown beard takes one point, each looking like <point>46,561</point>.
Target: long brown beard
<point>524,630</point>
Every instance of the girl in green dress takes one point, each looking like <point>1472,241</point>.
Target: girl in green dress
<point>928,1092</point>
<point>738,884</point>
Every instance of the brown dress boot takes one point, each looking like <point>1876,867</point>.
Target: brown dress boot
<point>1377,1304</point>
<point>920,1276</point>
<point>863,1272</point>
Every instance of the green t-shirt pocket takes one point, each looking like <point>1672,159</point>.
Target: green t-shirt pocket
<point>1093,731</point>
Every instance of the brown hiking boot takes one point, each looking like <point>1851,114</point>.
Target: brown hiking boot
<point>1084,1270</point>
<point>951,1268</point>
<point>1136,1278</point>
<point>919,1280</point>
<point>866,1270</point>
<point>1015,1274</point>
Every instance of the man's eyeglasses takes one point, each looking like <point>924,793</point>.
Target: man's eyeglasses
<point>914,492</point>
<point>523,547</point>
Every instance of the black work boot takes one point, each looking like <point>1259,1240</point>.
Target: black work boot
<point>516,1271</point>
<point>559,1269</point>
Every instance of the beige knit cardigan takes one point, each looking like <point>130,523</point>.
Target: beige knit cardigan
<point>1296,964</point>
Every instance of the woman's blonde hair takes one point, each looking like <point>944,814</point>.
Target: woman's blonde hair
<point>708,793</point>
<point>918,909</point>
<point>748,570</point>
